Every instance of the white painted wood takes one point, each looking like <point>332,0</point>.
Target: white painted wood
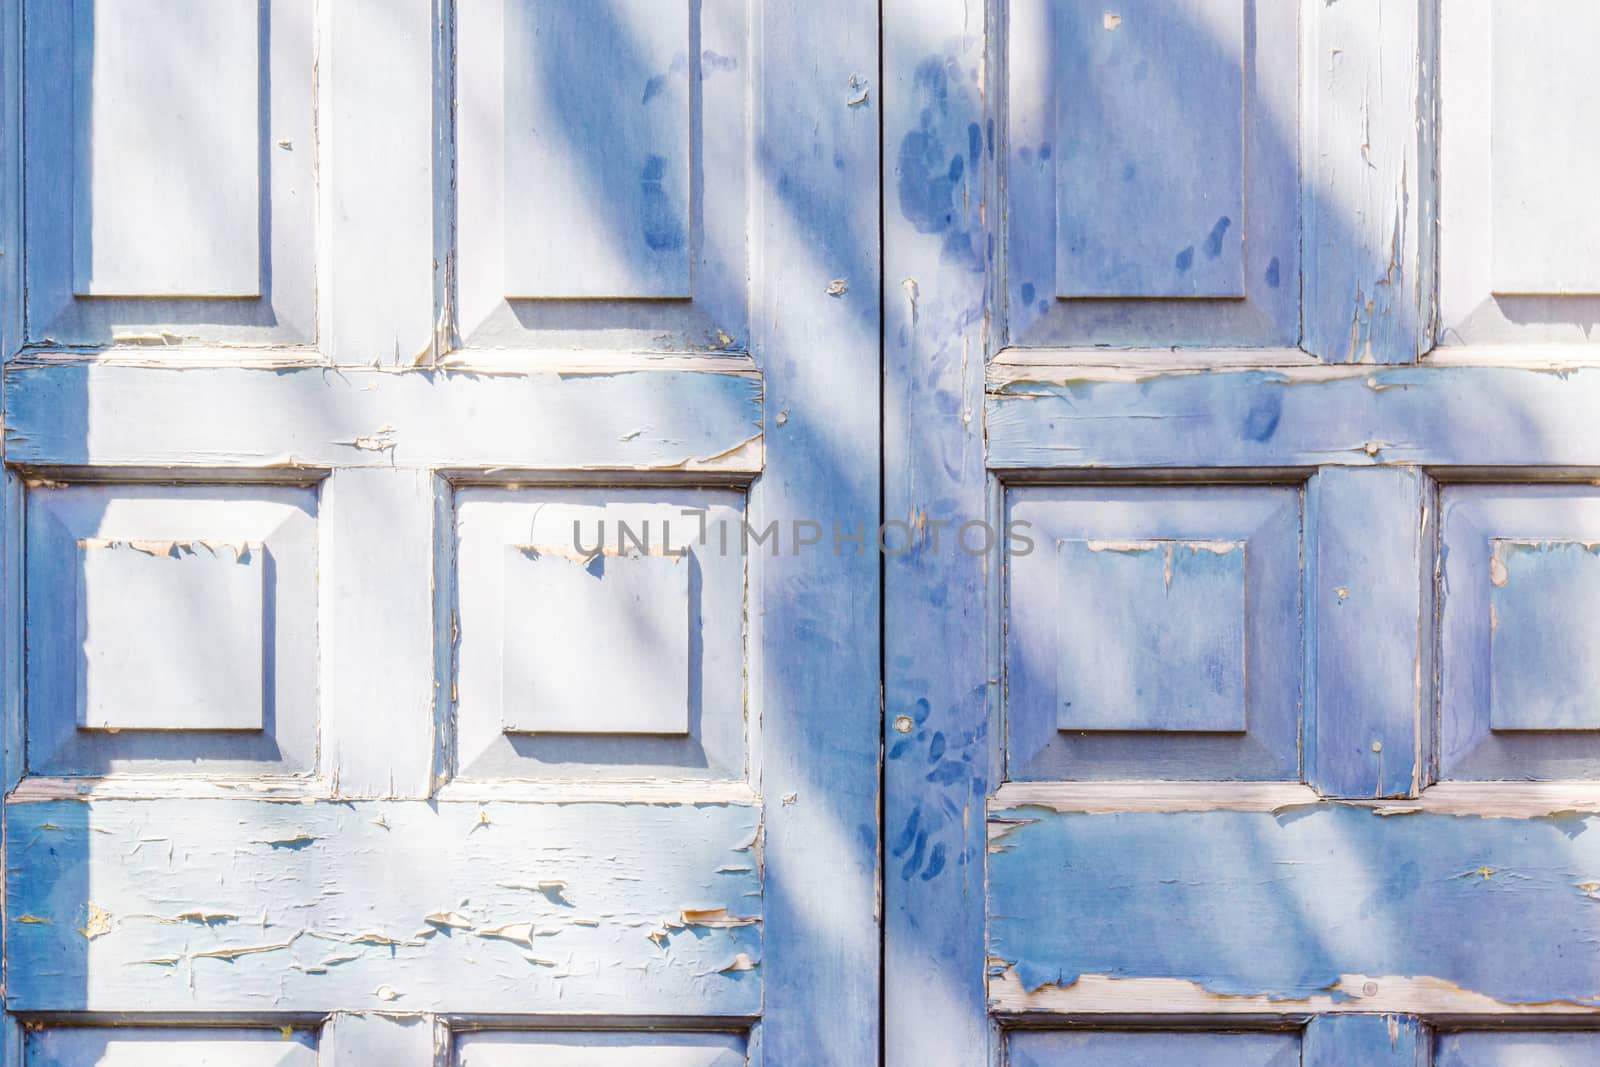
<point>377,663</point>
<point>593,418</point>
<point>365,1039</point>
<point>377,84</point>
<point>597,645</point>
<point>167,181</point>
<point>597,171</point>
<point>386,905</point>
<point>170,635</point>
<point>1354,994</point>
<point>599,1049</point>
<point>1543,158</point>
<point>160,1047</point>
<point>210,599</point>
<point>586,664</point>
<point>170,173</point>
<point>1517,267</point>
<point>1367,185</point>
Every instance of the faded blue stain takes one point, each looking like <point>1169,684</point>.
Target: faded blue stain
<point>1214,240</point>
<point>1185,260</point>
<point>1274,278</point>
<point>1027,292</point>
<point>1261,421</point>
<point>663,231</point>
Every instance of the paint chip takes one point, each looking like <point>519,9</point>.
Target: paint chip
<point>98,923</point>
<point>837,287</point>
<point>1111,21</point>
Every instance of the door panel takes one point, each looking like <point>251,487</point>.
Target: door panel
<point>1272,701</point>
<point>325,323</point>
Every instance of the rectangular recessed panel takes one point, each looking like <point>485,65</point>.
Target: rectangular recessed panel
<point>167,157</point>
<point>597,149</point>
<point>597,645</point>
<point>1518,1050</point>
<point>167,1046</point>
<point>1544,152</point>
<point>170,635</point>
<point>1152,1049</point>
<point>1544,604</point>
<point>599,1049</point>
<point>1150,134</point>
<point>1151,635</point>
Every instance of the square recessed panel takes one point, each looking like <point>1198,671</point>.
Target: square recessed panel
<point>601,634</point>
<point>1154,632</point>
<point>1150,199</point>
<point>1543,152</point>
<point>603,204</point>
<point>93,1046</point>
<point>597,645</point>
<point>167,143</point>
<point>171,629</point>
<point>599,1049</point>
<point>1519,584</point>
<point>170,635</point>
<point>1516,265</point>
<point>170,188</point>
<point>1151,173</point>
<point>1150,635</point>
<point>1543,595</point>
<point>1043,1048</point>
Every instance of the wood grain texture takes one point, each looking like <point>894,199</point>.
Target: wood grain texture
<point>1367,205</point>
<point>1286,909</point>
<point>252,906</point>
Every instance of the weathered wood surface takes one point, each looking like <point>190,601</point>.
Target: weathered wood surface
<point>1366,188</point>
<point>1330,907</point>
<point>624,417</point>
<point>262,906</point>
<point>1369,579</point>
<point>938,150</point>
<point>1448,416</point>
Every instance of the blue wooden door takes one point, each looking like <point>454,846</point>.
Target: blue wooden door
<point>1269,732</point>
<point>402,399</point>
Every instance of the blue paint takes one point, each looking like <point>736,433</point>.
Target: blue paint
<point>1368,1040</point>
<point>1185,260</point>
<point>1261,421</point>
<point>1027,292</point>
<point>1274,274</point>
<point>1282,909</point>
